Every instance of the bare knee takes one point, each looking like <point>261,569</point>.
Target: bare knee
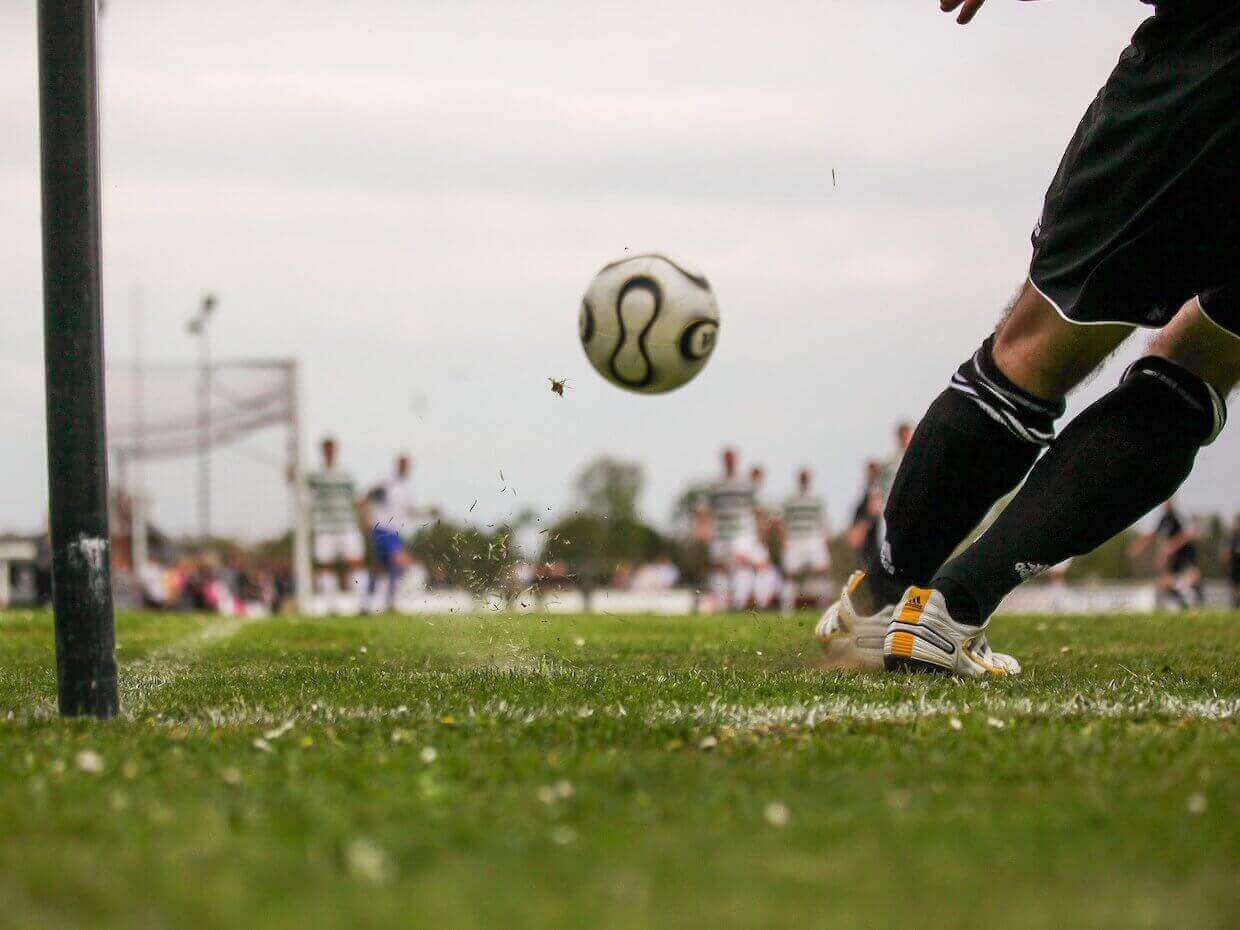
<point>1195,343</point>
<point>1045,354</point>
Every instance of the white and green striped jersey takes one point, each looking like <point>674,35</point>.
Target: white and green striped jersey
<point>805,515</point>
<point>333,501</point>
<point>732,507</point>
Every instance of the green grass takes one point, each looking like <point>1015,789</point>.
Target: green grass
<point>613,772</point>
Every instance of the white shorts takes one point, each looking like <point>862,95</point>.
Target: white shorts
<point>747,548</point>
<point>346,545</point>
<point>808,554</point>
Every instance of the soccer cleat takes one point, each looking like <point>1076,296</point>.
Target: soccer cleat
<point>922,637</point>
<point>849,639</point>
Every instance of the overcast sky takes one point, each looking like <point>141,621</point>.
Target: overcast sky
<point>410,197</point>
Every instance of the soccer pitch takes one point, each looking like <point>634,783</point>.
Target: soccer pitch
<point>620,772</point>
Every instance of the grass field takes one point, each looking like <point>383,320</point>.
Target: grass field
<point>604,772</point>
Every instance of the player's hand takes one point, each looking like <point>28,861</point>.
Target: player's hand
<point>968,8</point>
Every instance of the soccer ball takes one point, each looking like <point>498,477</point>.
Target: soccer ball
<point>648,323</point>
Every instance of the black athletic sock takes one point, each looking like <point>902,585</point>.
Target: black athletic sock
<point>974,444</point>
<point>1121,457</point>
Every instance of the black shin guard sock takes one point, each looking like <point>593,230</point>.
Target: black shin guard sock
<point>961,603</point>
<point>1121,457</point>
<point>961,460</point>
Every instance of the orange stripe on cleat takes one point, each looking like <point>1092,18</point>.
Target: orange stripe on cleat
<point>914,604</point>
<point>902,644</point>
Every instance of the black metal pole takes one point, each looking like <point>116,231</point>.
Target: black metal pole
<point>73,360</point>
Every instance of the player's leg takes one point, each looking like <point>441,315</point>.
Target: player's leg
<point>741,583</point>
<point>326,555</point>
<point>1125,236</point>
<point>979,438</point>
<point>353,548</point>
<point>794,576</point>
<point>816,581</point>
<point>1169,592</point>
<point>401,563</point>
<point>1120,458</point>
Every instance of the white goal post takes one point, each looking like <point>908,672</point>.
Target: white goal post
<point>168,411</point>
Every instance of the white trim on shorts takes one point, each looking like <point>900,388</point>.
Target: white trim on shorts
<point>1067,319</point>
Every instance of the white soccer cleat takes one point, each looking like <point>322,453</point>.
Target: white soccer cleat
<point>849,639</point>
<point>922,637</point>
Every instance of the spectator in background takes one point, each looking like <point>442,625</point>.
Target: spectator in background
<point>659,575</point>
<point>622,577</point>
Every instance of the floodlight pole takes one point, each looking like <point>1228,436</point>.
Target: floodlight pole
<point>73,361</point>
<point>199,326</point>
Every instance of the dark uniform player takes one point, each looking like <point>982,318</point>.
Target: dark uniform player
<point>1141,227</point>
<point>1179,572</point>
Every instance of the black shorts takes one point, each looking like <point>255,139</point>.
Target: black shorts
<point>1144,212</point>
<point>1183,559</point>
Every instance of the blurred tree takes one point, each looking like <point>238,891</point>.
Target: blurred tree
<point>465,556</point>
<point>606,531</point>
<point>593,547</point>
<point>610,488</point>
<point>1109,562</point>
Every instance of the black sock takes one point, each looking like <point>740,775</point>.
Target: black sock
<point>961,603</point>
<point>1121,457</point>
<point>974,444</point>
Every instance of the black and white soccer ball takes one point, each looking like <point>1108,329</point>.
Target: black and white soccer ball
<point>649,323</point>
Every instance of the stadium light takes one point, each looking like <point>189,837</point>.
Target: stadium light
<point>73,361</point>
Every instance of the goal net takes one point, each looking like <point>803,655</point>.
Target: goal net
<point>211,450</point>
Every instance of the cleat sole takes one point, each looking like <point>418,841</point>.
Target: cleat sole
<point>913,666</point>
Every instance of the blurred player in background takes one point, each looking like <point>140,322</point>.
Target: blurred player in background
<point>1176,561</point>
<point>391,514</point>
<point>805,556</point>
<point>334,525</point>
<point>766,581</point>
<point>734,536</point>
